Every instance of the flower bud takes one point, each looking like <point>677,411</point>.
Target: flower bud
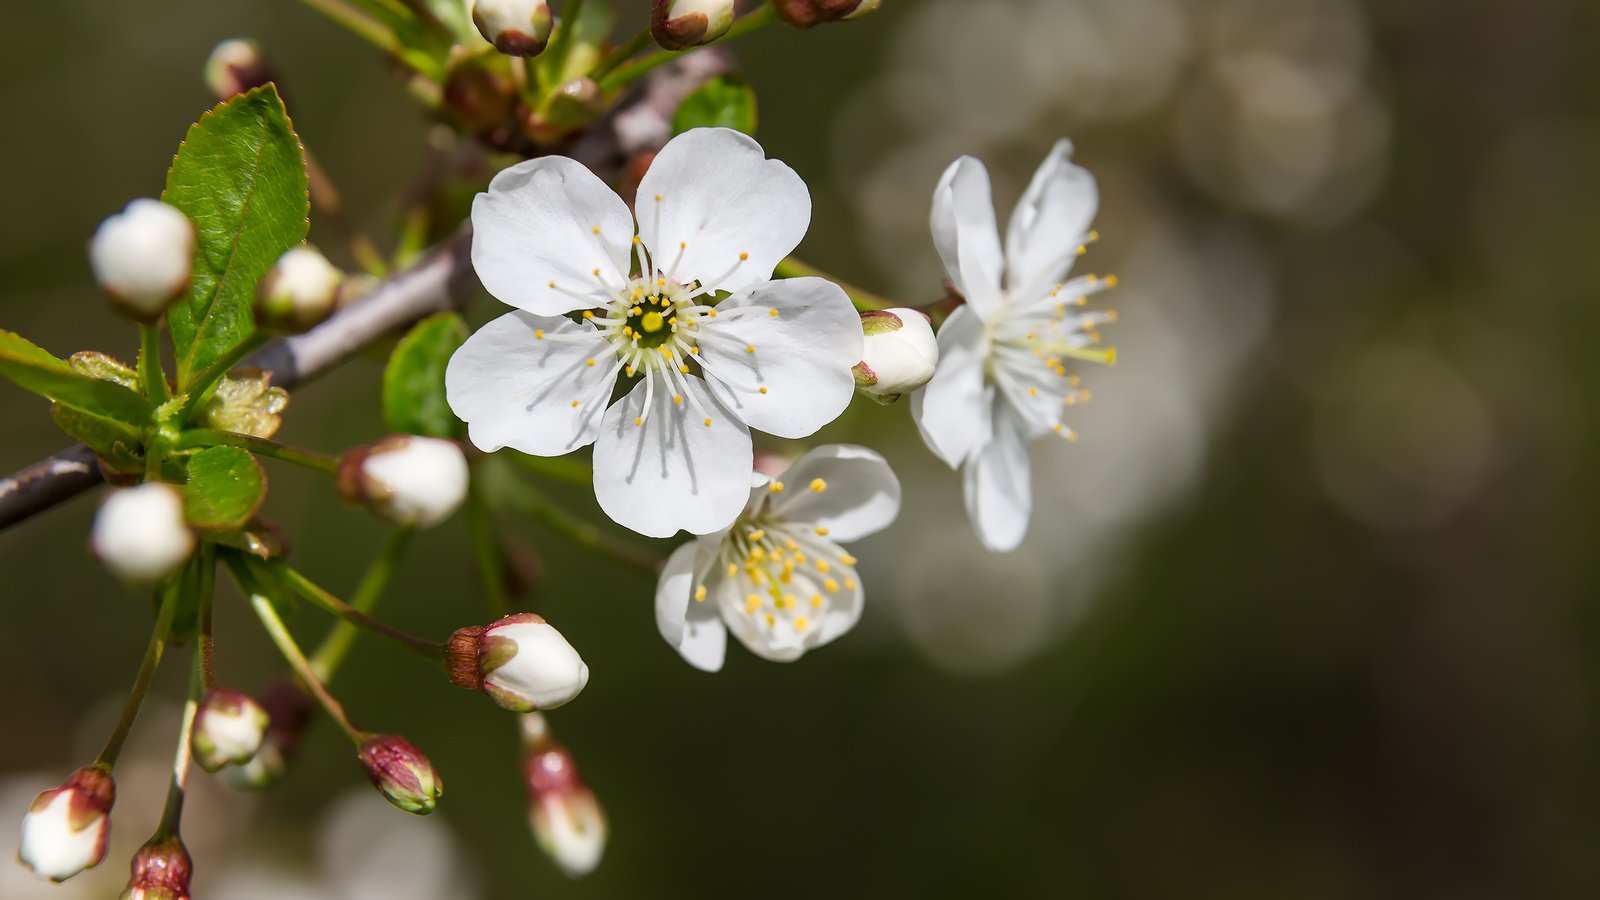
<point>299,292</point>
<point>141,257</point>
<point>809,13</point>
<point>521,662</point>
<point>66,829</point>
<point>514,27</point>
<point>161,871</point>
<point>288,711</point>
<point>406,479</point>
<point>680,24</point>
<point>236,66</point>
<point>898,353</point>
<point>229,728</point>
<point>401,772</point>
<point>565,815</point>
<point>139,532</point>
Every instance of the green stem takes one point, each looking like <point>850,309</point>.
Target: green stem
<point>153,377</point>
<point>432,650</point>
<point>622,54</point>
<point>559,468</point>
<point>141,681</point>
<point>561,45</point>
<point>486,551</point>
<point>184,757</point>
<point>625,75</point>
<point>864,300</point>
<point>202,386</point>
<point>585,534</point>
<point>336,646</point>
<point>204,650</point>
<point>211,437</point>
<point>302,667</point>
<point>379,35</point>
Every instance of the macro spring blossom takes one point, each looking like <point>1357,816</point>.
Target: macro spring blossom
<point>899,353</point>
<point>522,662</point>
<point>1002,379</point>
<point>715,216</point>
<point>228,729</point>
<point>778,578</point>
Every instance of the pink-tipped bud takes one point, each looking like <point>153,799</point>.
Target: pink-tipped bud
<point>142,257</point>
<point>564,813</point>
<point>681,24</point>
<point>521,662</point>
<point>160,871</point>
<point>66,828</point>
<point>401,773</point>
<point>514,27</point>
<point>288,711</point>
<point>408,480</point>
<point>229,728</point>
<point>810,13</point>
<point>898,353</point>
<point>299,292</point>
<point>235,66</point>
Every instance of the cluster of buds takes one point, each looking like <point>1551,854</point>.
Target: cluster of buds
<point>566,817</point>
<point>521,662</point>
<point>288,712</point>
<point>161,870</point>
<point>299,292</point>
<point>898,353</point>
<point>142,257</point>
<point>401,772</point>
<point>407,480</point>
<point>66,828</point>
<point>229,728</point>
<point>514,27</point>
<point>681,24</point>
<point>810,13</point>
<point>140,533</point>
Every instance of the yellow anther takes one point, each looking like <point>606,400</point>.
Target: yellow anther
<point>694,351</point>
<point>818,485</point>
<point>677,398</point>
<point>790,543</point>
<point>629,370</point>
<point>773,313</point>
<point>658,198</point>
<point>636,239</point>
<point>763,389</point>
<point>589,362</point>
<point>711,313</point>
<point>637,421</point>
<point>708,423</point>
<point>684,369</point>
<point>816,601</point>
<point>597,273</point>
<point>822,531</point>
<point>749,348</point>
<point>733,569</point>
<point>830,585</point>
<point>661,282</point>
<point>636,311</point>
<point>682,245</point>
<point>588,314</point>
<point>552,284</point>
<point>1094,236</point>
<point>1033,392</point>
<point>574,404</point>
<point>776,487</point>
<point>538,334</point>
<point>664,351</point>
<point>1111,281</point>
<point>597,229</point>
<point>822,566</point>
<point>849,584</point>
<point>752,603</point>
<point>847,559</point>
<point>800,623</point>
<point>700,593</point>
<point>743,257</point>
<point>758,534</point>
<point>771,621</point>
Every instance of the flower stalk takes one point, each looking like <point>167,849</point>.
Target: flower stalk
<point>864,300</point>
<point>141,681</point>
<point>330,655</point>
<point>210,437</point>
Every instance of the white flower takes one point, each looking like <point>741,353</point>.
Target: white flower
<point>141,257</point>
<point>409,480</point>
<point>521,661</point>
<point>66,829</point>
<point>566,817</point>
<point>514,27</point>
<point>229,728</point>
<point>1002,379</point>
<point>139,532</point>
<point>300,291</point>
<point>680,24</point>
<point>899,353</point>
<point>777,578</point>
<point>715,215</point>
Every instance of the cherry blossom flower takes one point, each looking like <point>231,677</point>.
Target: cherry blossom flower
<point>777,578</point>
<point>715,216</point>
<point>1002,379</point>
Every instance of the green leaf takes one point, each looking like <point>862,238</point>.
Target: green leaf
<point>413,383</point>
<point>111,440</point>
<point>225,488</point>
<point>726,101</point>
<point>241,178</point>
<point>34,369</point>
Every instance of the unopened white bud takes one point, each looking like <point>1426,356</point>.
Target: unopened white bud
<point>521,661</point>
<point>565,814</point>
<point>301,290</point>
<point>514,27</point>
<point>141,257</point>
<point>66,828</point>
<point>680,24</point>
<point>228,729</point>
<point>898,353</point>
<point>235,66</point>
<point>139,532</point>
<point>409,480</point>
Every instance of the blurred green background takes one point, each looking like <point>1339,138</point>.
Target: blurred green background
<point>1310,612</point>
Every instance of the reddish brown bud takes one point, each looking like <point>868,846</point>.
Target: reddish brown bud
<point>810,13</point>
<point>160,871</point>
<point>401,772</point>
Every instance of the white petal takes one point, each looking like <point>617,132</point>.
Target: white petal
<point>1036,393</point>
<point>536,226</point>
<point>966,234</point>
<point>802,356</point>
<point>693,628</point>
<point>844,607</point>
<point>1051,222</point>
<point>848,490</point>
<point>514,389</point>
<point>952,412</point>
<point>674,471</point>
<point>998,487</point>
<point>776,635</point>
<point>711,195</point>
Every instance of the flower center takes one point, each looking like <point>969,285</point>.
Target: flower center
<point>787,577</point>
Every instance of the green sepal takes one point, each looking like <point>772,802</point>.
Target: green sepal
<point>726,101</point>
<point>225,488</point>
<point>413,382</point>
